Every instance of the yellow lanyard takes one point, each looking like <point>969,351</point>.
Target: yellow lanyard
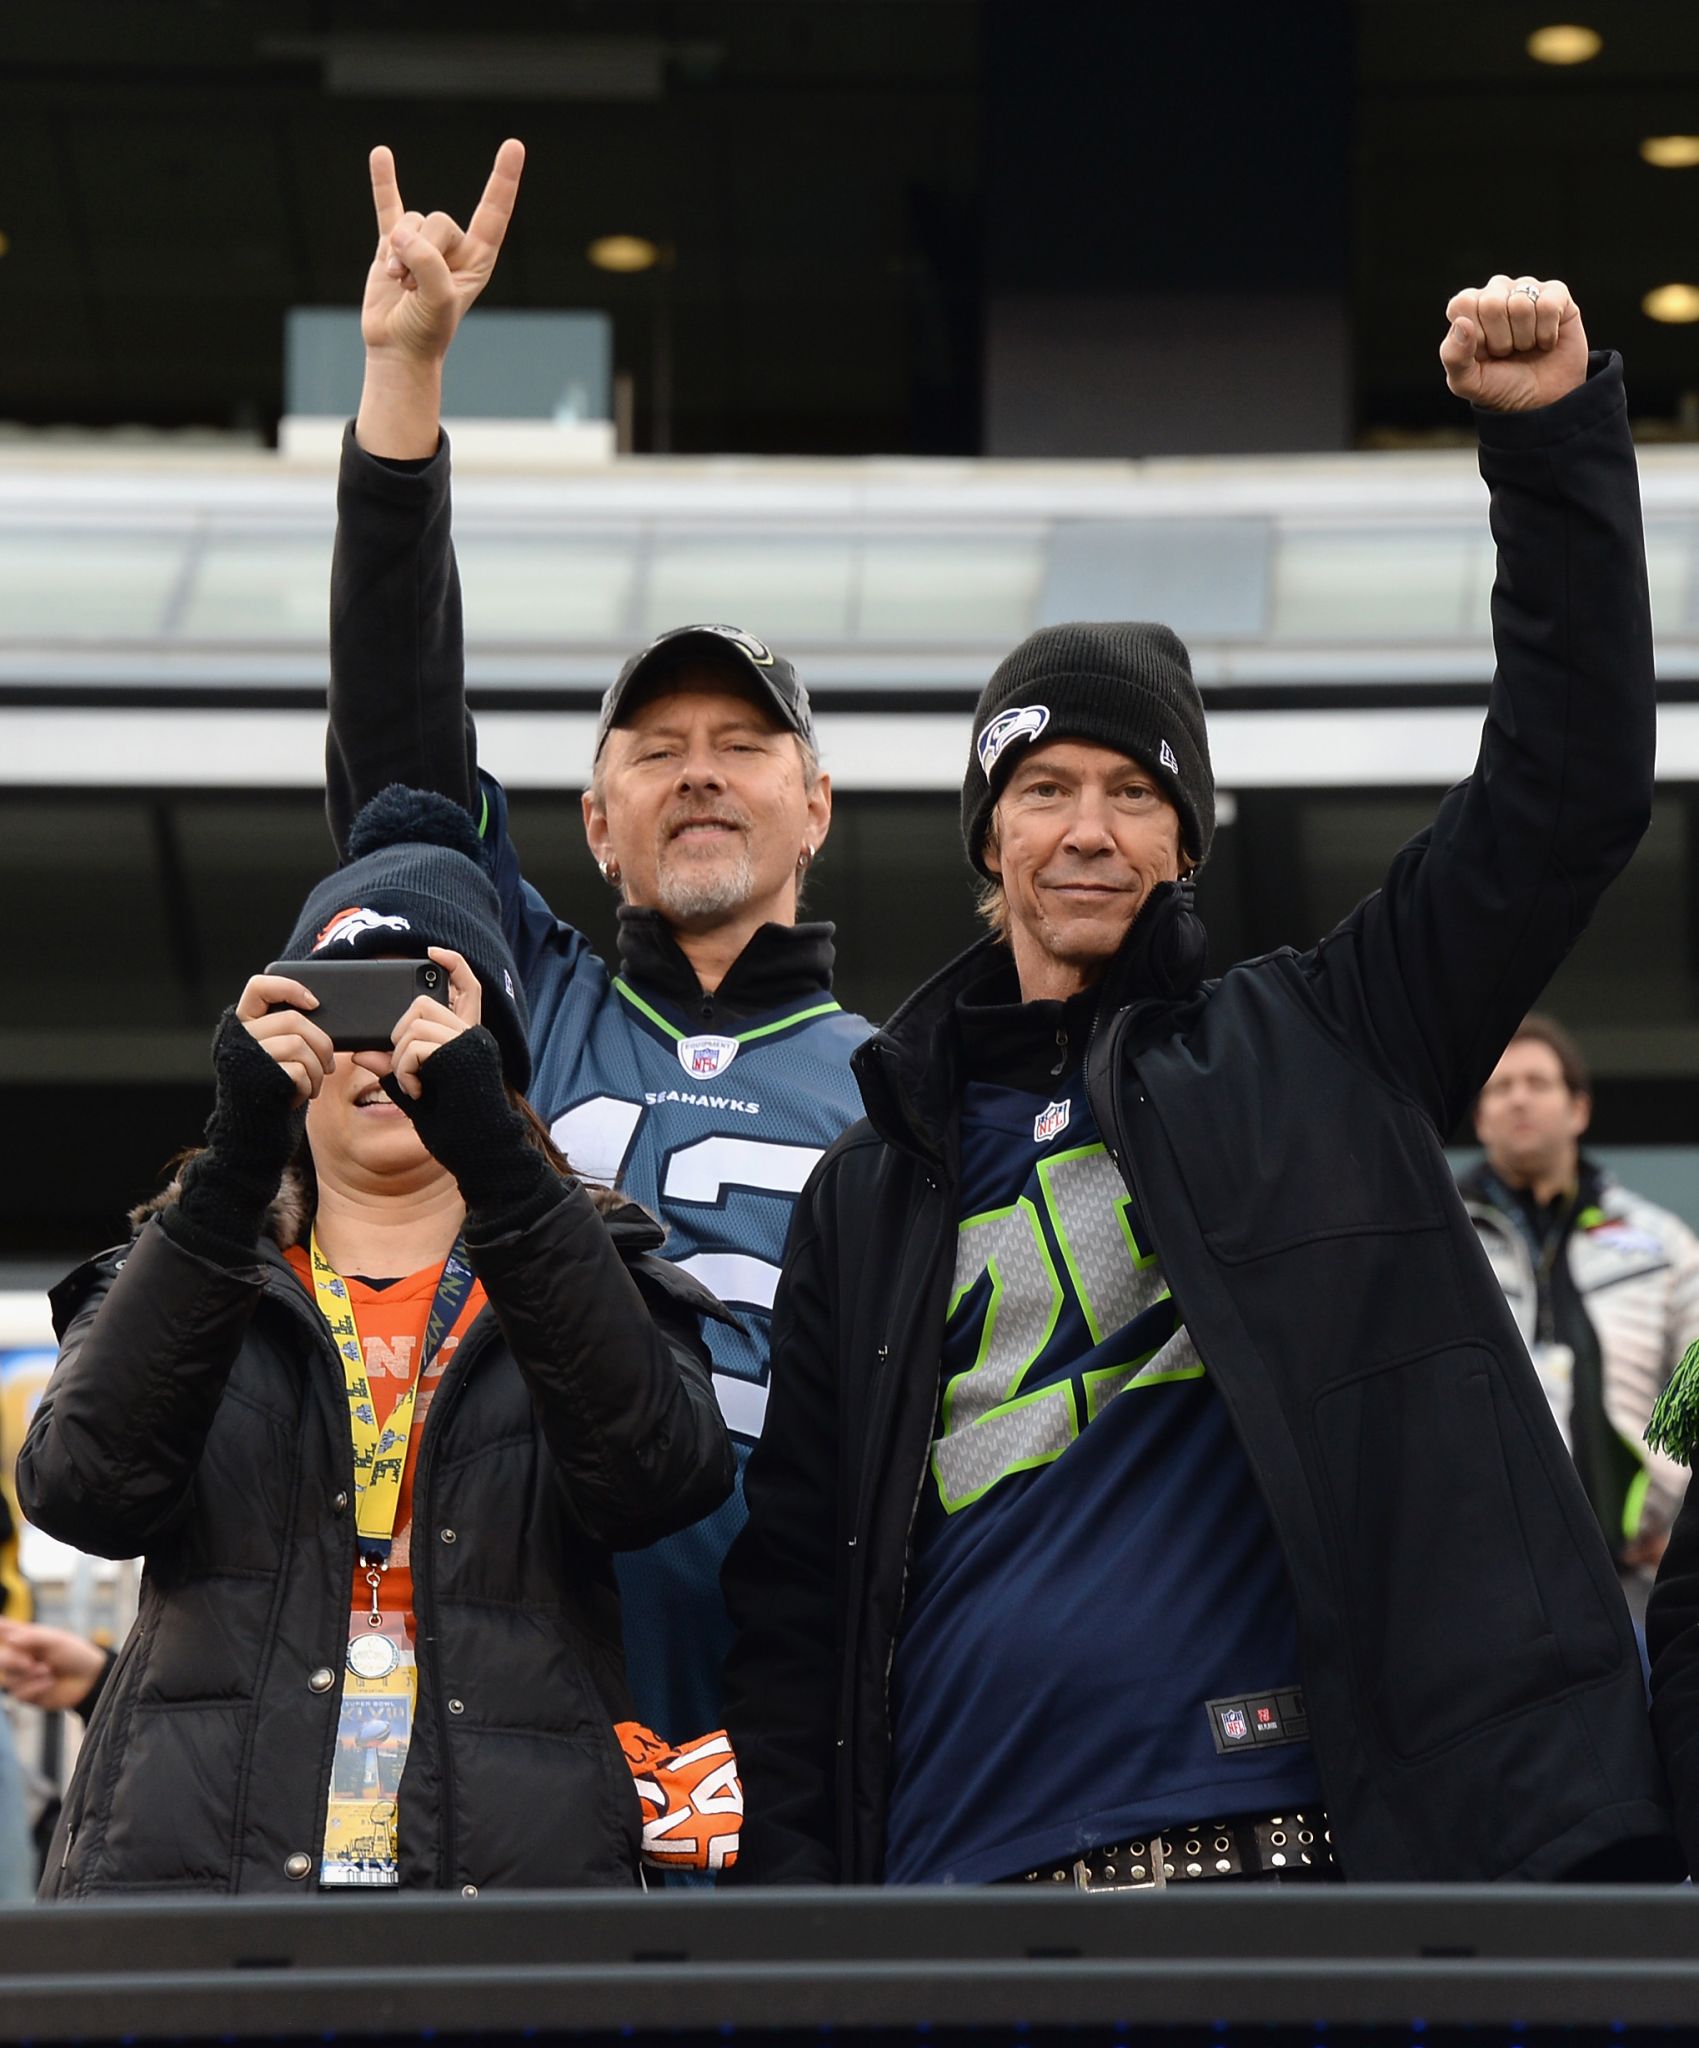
<point>380,1455</point>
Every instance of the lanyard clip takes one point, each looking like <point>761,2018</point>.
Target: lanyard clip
<point>376,1565</point>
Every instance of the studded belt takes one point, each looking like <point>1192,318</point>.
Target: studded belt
<point>1293,1846</point>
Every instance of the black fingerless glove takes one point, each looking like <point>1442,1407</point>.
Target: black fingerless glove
<point>251,1136</point>
<point>466,1121</point>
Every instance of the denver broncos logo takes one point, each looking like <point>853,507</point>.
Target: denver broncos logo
<point>347,925</point>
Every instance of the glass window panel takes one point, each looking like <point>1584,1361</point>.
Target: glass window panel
<point>1345,844</point>
<point>246,867</point>
<point>547,587</point>
<point>71,585</point>
<point>1632,969</point>
<point>1478,611</point>
<point>86,918</point>
<point>1669,567</point>
<point>1351,586</point>
<point>777,588</point>
<point>263,590</point>
<point>1669,570</point>
<point>958,590</point>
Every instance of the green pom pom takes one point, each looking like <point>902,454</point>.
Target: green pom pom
<point>1674,1427</point>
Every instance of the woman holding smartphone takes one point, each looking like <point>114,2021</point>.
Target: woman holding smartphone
<point>377,1388</point>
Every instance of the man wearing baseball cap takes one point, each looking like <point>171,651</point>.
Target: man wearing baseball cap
<point>708,1068</point>
<point>1155,1488</point>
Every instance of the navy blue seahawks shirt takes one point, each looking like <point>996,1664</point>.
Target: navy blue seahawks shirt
<point>714,1133</point>
<point>1093,1564</point>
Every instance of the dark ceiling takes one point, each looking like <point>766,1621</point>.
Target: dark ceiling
<point>1467,155</point>
<point>176,172</point>
<point>849,186</point>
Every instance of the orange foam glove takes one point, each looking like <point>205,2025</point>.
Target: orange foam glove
<point>691,1796</point>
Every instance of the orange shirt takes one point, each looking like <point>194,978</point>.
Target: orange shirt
<point>392,1322</point>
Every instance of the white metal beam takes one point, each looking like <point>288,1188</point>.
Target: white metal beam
<point>177,749</point>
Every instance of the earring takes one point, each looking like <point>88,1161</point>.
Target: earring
<point>804,861</point>
<point>610,872</point>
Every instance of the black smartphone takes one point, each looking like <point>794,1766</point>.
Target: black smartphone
<point>362,1001</point>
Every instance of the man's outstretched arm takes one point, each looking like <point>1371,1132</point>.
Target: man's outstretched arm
<point>1431,975</point>
<point>397,645</point>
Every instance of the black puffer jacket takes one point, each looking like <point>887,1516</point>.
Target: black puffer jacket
<point>198,1415</point>
<point>1471,1679</point>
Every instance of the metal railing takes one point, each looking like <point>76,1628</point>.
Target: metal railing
<point>1211,1963</point>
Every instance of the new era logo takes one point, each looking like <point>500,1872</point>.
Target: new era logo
<point>1168,760</point>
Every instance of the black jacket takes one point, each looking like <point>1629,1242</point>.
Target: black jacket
<point>198,1414</point>
<point>1672,1642</point>
<point>1471,1679</point>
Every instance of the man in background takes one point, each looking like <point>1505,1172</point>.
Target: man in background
<point>1604,1286</point>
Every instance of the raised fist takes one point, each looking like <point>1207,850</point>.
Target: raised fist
<point>1514,343</point>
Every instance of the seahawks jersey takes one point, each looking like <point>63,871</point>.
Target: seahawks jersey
<point>1098,1631</point>
<point>714,1133</point>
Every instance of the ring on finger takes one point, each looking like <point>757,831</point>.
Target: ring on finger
<point>1530,292</point>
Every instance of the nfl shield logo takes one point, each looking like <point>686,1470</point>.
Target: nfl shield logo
<point>703,1058</point>
<point>1051,1123</point>
<point>1233,1724</point>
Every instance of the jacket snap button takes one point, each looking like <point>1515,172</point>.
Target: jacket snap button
<point>448,1535</point>
<point>457,1706</point>
<point>298,1865</point>
<point>322,1679</point>
<point>340,1503</point>
<point>468,1891</point>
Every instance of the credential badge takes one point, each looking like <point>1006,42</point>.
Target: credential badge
<point>703,1058</point>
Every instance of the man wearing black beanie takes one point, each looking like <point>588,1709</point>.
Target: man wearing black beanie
<point>1155,1488</point>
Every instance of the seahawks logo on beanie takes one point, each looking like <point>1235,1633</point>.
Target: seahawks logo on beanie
<point>1024,722</point>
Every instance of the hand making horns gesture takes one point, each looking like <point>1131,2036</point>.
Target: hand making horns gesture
<point>428,270</point>
<point>1514,343</point>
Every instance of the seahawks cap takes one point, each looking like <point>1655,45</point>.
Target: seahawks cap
<point>725,647</point>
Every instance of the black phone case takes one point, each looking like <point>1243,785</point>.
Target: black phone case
<point>361,1001</point>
